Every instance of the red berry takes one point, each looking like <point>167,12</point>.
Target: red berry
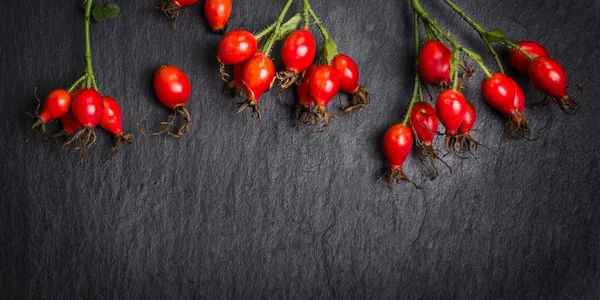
<point>238,73</point>
<point>298,51</point>
<point>88,107</point>
<point>434,63</point>
<point>549,77</point>
<point>348,73</point>
<point>182,3</point>
<point>171,7</point>
<point>69,124</point>
<point>217,13</point>
<point>470,117</point>
<point>112,118</point>
<point>303,89</point>
<point>324,84</point>
<point>499,92</point>
<point>258,76</point>
<point>172,86</point>
<point>57,104</point>
<point>451,108</point>
<point>237,47</point>
<point>519,102</point>
<point>424,122</point>
<point>519,61</point>
<point>397,143</point>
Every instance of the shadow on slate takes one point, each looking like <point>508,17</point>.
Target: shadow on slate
<point>242,209</point>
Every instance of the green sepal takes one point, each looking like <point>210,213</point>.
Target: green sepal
<point>328,51</point>
<point>494,36</point>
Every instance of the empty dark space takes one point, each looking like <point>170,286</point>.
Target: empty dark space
<point>247,209</point>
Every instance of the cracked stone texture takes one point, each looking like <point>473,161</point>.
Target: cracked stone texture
<point>242,209</point>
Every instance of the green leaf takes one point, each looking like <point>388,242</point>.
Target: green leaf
<point>495,36</point>
<point>108,11</point>
<point>290,26</point>
<point>111,11</point>
<point>98,13</point>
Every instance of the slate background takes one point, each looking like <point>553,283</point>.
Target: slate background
<point>263,210</point>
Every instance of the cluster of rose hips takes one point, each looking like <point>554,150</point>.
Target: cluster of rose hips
<point>79,111</point>
<point>81,108</point>
<point>438,66</point>
<point>318,78</point>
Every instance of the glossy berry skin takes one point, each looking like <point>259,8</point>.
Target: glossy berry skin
<point>324,84</point>
<point>469,121</point>
<point>397,143</point>
<point>519,61</point>
<point>451,108</point>
<point>172,86</point>
<point>303,89</point>
<point>304,96</point>
<point>258,75</point>
<point>57,104</point>
<point>348,73</point>
<point>69,124</point>
<point>88,107</point>
<point>499,92</point>
<point>238,73</point>
<point>74,93</point>
<point>112,118</point>
<point>237,47</point>
<point>434,63</point>
<point>217,13</point>
<point>549,77</point>
<point>182,3</point>
<point>519,101</point>
<point>299,50</point>
<point>424,122</point>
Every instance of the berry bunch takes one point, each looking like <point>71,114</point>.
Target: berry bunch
<point>439,64</point>
<point>318,77</point>
<point>81,108</point>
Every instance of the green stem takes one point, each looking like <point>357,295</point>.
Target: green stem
<point>495,56</point>
<point>306,15</point>
<point>271,41</point>
<point>417,89</point>
<point>510,44</point>
<point>266,31</point>
<point>465,17</point>
<point>428,21</point>
<point>483,33</point>
<point>77,83</point>
<point>322,29</point>
<point>89,72</point>
<point>454,68</point>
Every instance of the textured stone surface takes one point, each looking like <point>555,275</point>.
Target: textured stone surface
<point>263,210</point>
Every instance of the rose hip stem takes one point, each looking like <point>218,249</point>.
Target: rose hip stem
<point>489,36</point>
<point>418,91</point>
<point>87,80</point>
<point>266,49</point>
<point>329,47</point>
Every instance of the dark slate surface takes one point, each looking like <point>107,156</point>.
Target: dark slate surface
<point>263,210</point>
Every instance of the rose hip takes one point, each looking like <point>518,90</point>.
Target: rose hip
<point>297,54</point>
<point>257,78</point>
<point>361,96</point>
<point>549,77</point>
<point>112,120</point>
